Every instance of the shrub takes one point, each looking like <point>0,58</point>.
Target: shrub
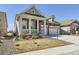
<point>35,42</point>
<point>36,36</point>
<point>23,35</point>
<point>17,44</point>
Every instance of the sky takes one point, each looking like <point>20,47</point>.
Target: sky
<point>60,11</point>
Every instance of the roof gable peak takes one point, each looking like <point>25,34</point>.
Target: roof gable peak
<point>33,10</point>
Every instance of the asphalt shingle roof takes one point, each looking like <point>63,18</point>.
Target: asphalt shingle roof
<point>67,22</point>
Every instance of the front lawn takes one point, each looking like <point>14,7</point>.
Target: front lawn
<point>36,44</point>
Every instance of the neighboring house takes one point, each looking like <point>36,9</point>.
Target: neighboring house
<point>53,26</point>
<point>33,21</point>
<point>69,26</point>
<point>3,23</point>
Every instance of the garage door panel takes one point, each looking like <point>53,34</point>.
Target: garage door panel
<point>53,31</point>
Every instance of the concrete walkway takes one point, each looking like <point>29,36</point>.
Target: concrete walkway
<point>63,50</point>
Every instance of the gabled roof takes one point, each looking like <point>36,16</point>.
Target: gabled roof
<point>33,11</point>
<point>68,22</point>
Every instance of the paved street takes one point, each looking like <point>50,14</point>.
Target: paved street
<point>71,49</point>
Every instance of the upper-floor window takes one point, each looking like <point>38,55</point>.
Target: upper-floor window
<point>33,11</point>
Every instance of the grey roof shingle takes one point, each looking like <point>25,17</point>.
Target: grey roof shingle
<point>68,22</point>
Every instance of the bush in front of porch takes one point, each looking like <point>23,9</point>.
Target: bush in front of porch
<point>25,36</point>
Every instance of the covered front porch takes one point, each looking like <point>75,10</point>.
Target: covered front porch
<point>31,25</point>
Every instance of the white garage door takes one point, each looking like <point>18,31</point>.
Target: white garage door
<point>53,30</point>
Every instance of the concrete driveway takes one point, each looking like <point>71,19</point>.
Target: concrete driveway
<point>69,38</point>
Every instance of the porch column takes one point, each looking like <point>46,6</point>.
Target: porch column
<point>20,26</point>
<point>37,26</point>
<point>29,26</point>
<point>45,32</point>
